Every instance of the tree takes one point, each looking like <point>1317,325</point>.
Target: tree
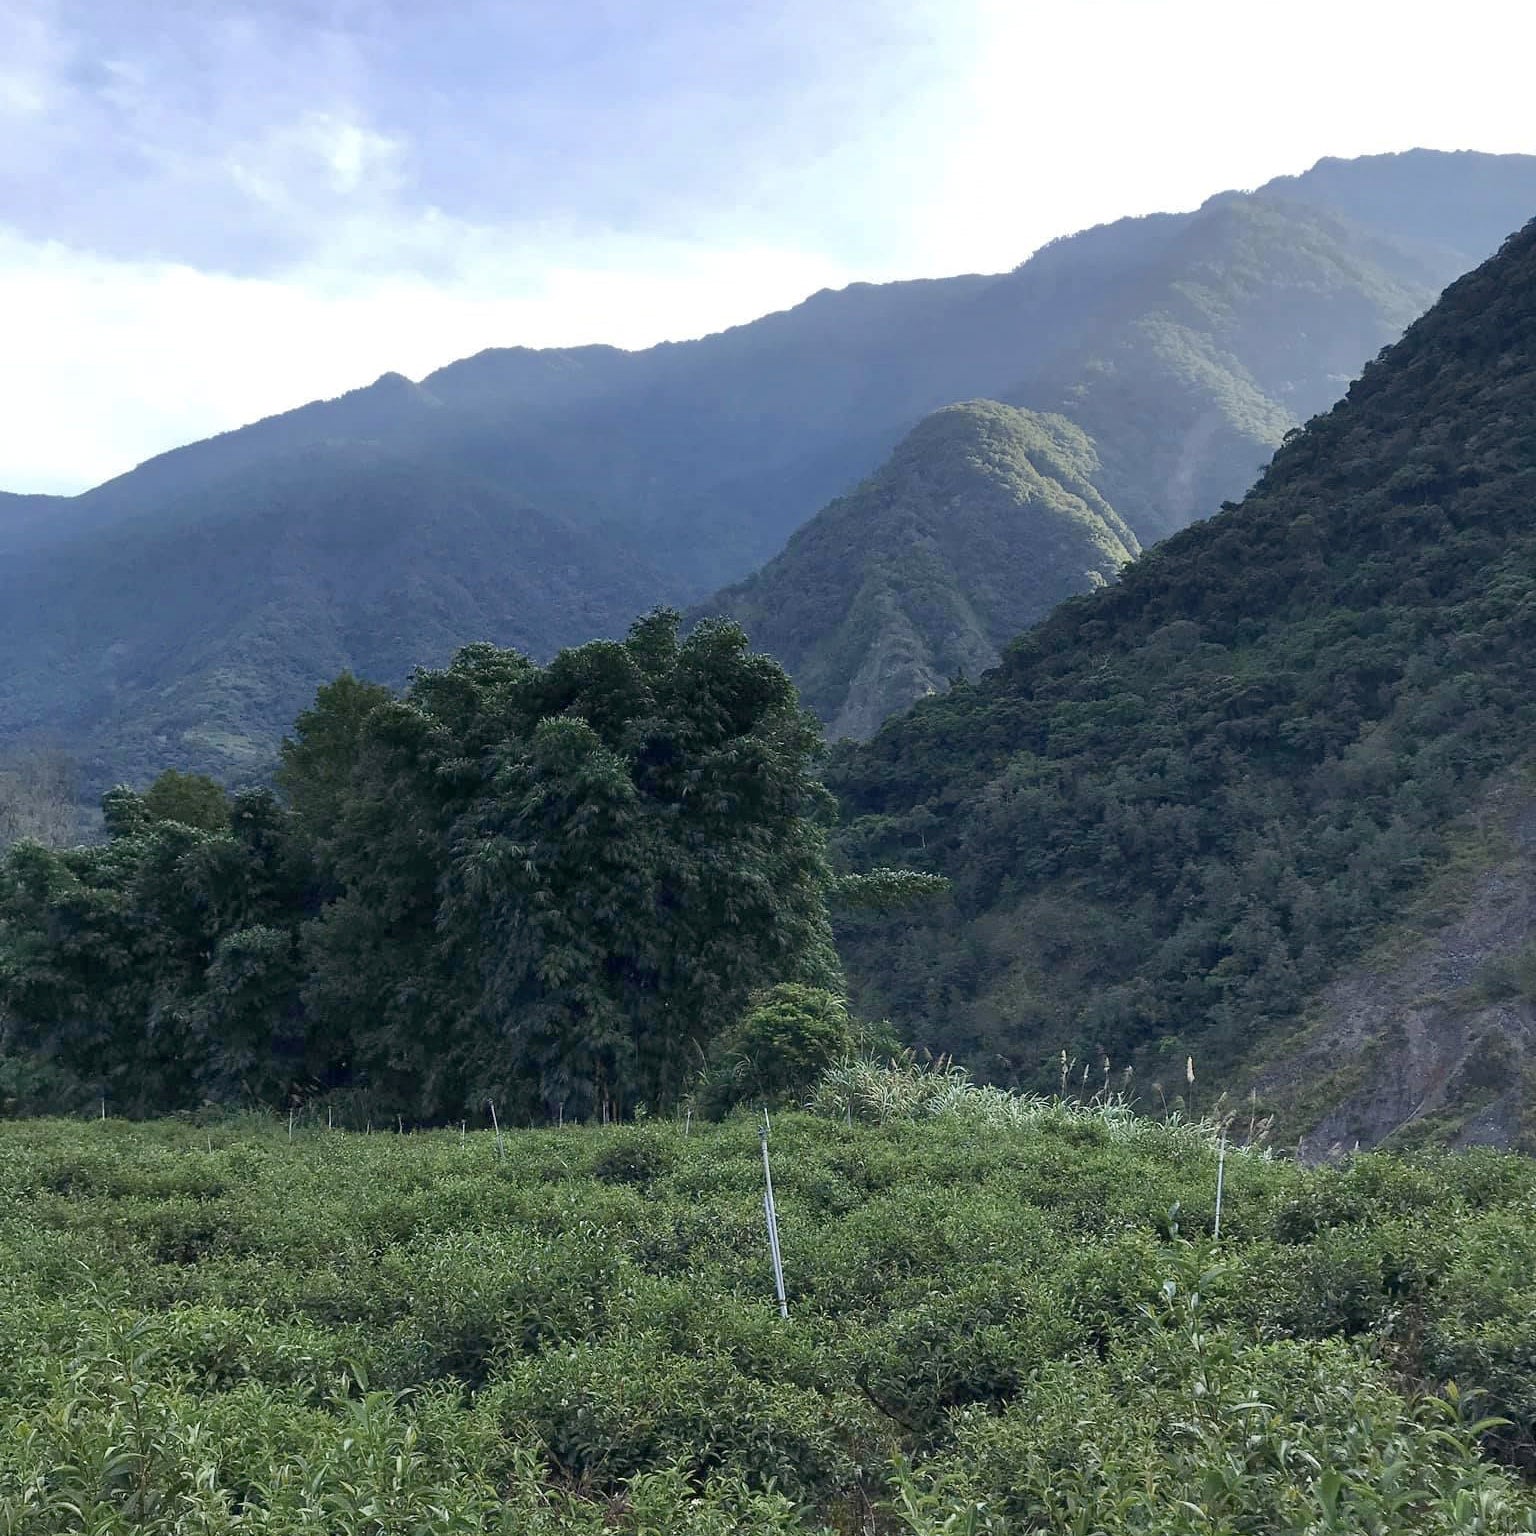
<point>108,953</point>
<point>193,799</point>
<point>38,799</point>
<point>553,885</point>
<point>780,1047</point>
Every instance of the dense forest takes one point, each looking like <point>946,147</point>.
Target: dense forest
<point>553,888</point>
<point>1180,803</point>
<point>184,613</point>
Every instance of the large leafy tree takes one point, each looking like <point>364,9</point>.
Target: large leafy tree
<point>547,886</point>
<point>552,886</point>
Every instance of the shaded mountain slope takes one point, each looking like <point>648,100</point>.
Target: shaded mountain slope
<point>1183,344</point>
<point>26,521</point>
<point>1256,317</point>
<point>983,519</point>
<point>1182,804</point>
<point>192,639</point>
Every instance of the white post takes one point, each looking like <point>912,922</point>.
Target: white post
<point>1221,1171</point>
<point>772,1215</point>
<point>501,1151</point>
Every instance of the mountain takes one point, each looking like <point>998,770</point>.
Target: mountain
<point>982,520</point>
<point>1183,344</point>
<point>1247,317</point>
<point>1253,319</point>
<point>193,639</point>
<point>1214,809</point>
<point>28,520</point>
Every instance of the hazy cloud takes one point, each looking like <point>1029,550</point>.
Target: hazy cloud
<point>212,210</point>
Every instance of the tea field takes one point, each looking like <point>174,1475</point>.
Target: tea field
<point>998,1321</point>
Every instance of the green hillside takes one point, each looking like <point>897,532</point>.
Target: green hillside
<point>1255,318</point>
<point>1237,323</point>
<point>1182,804</point>
<point>591,483</point>
<point>983,519</point>
<point>1002,1318</point>
<point>187,638</point>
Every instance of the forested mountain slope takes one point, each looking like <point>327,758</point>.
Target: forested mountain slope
<point>983,519</point>
<point>1182,804</point>
<point>1255,318</point>
<point>1184,344</point>
<point>188,641</point>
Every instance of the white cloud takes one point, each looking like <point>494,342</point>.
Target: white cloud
<point>109,362</point>
<point>317,161</point>
<point>333,190</point>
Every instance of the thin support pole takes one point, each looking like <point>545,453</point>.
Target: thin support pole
<point>770,1212</point>
<point>501,1151</point>
<point>1221,1172</point>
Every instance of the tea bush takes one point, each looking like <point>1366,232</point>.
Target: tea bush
<point>1004,1316</point>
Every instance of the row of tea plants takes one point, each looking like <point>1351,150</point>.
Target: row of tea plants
<point>1001,1319</point>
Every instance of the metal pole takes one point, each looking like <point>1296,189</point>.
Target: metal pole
<point>772,1215</point>
<point>1221,1171</point>
<point>501,1151</point>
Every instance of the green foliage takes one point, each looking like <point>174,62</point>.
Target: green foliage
<point>983,520</point>
<point>1182,802</point>
<point>780,1048</point>
<point>994,1327</point>
<point>551,886</point>
<point>193,799</point>
<point>158,967</point>
<point>885,890</point>
<point>547,887</point>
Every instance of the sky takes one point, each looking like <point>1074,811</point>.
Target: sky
<point>212,210</point>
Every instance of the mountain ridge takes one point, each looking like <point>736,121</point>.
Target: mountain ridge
<point>982,520</point>
<point>1183,806</point>
<point>689,464</point>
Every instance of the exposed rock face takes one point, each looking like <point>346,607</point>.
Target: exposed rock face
<point>1433,1029</point>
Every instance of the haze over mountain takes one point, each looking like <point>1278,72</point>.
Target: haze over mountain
<point>1182,811</point>
<point>1230,327</point>
<point>180,613</point>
